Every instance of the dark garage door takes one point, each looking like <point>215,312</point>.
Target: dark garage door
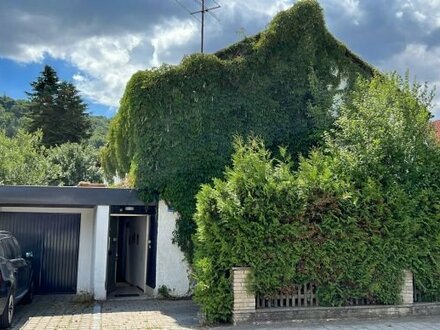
<point>54,241</point>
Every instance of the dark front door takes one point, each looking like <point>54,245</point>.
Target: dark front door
<point>54,240</point>
<point>122,251</point>
<point>152,251</point>
<point>112,253</point>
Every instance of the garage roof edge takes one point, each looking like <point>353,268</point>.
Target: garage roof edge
<point>74,196</point>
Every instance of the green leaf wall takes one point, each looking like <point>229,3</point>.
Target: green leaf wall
<point>175,126</point>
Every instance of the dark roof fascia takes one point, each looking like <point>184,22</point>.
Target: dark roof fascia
<point>66,196</point>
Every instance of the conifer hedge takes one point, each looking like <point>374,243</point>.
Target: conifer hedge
<point>350,218</point>
<point>175,126</point>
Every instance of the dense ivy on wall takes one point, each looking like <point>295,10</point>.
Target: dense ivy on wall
<point>176,124</point>
<point>350,218</point>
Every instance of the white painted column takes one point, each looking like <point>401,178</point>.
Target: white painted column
<point>102,216</point>
<point>85,253</point>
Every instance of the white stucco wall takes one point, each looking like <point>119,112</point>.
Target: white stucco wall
<point>84,275</point>
<point>171,268</point>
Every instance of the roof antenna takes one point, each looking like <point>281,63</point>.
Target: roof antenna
<point>203,11</point>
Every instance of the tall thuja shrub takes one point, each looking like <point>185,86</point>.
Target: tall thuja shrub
<point>240,219</point>
<point>384,139</point>
<point>351,218</point>
<point>175,126</point>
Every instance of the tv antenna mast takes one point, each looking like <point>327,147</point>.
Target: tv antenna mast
<point>204,9</point>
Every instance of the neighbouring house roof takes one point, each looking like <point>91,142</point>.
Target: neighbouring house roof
<point>67,196</point>
<point>437,128</point>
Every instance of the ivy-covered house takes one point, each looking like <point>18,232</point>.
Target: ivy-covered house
<point>176,124</point>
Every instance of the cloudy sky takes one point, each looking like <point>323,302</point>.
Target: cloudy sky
<point>99,44</point>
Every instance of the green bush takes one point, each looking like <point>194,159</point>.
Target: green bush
<point>22,159</point>
<point>71,163</point>
<point>175,126</point>
<point>25,161</point>
<point>348,218</point>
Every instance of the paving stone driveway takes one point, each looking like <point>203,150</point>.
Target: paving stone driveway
<point>61,312</point>
<point>54,312</point>
<point>149,314</point>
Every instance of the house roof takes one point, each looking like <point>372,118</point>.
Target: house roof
<point>437,128</point>
<point>67,196</point>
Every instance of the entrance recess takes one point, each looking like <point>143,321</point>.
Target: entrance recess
<point>127,251</point>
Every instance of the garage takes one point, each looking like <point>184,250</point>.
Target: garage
<point>66,229</point>
<point>53,240</point>
<point>94,241</point>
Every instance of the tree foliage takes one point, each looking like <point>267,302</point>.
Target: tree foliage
<point>99,129</point>
<point>22,160</point>
<point>175,126</point>
<point>57,110</point>
<point>12,115</point>
<point>25,161</point>
<point>349,218</point>
<point>72,163</point>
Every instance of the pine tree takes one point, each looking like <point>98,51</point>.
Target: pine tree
<point>74,125</point>
<point>57,110</point>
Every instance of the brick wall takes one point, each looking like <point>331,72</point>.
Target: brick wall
<point>244,301</point>
<point>244,309</point>
<point>407,293</point>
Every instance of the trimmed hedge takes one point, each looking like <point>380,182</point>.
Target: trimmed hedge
<point>350,218</point>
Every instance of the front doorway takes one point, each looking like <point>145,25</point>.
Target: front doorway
<point>128,255</point>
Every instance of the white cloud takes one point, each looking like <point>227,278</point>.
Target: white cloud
<point>106,63</point>
<point>257,7</point>
<point>28,54</point>
<point>172,33</point>
<point>425,12</point>
<point>108,46</point>
<point>350,8</point>
<point>420,59</point>
<point>105,60</point>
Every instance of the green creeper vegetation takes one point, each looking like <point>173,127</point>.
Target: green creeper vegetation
<point>175,126</point>
<point>56,109</point>
<point>350,217</point>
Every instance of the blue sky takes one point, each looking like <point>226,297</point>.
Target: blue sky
<point>15,78</point>
<point>99,44</point>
